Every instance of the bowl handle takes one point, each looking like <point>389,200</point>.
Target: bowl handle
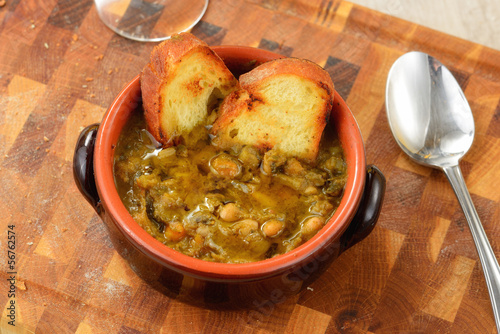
<point>83,166</point>
<point>368,211</point>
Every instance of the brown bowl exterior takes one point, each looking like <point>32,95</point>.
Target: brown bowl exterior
<point>198,281</point>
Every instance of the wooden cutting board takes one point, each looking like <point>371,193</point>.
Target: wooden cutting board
<point>418,271</point>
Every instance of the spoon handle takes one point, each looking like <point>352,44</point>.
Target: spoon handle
<point>487,257</point>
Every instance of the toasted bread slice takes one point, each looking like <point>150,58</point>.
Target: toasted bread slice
<point>283,105</point>
<point>180,86</point>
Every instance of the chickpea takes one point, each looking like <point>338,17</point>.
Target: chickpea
<point>225,166</point>
<point>246,226</point>
<point>230,212</point>
<point>272,228</point>
<point>293,167</point>
<point>311,226</point>
<point>257,244</point>
<point>175,231</point>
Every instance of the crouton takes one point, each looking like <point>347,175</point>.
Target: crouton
<point>283,105</point>
<point>182,86</point>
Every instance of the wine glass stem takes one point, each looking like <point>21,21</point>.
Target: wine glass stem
<point>487,257</point>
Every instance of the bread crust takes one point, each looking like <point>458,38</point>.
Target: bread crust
<point>300,67</point>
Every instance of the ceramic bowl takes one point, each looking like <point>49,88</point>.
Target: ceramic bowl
<point>203,282</point>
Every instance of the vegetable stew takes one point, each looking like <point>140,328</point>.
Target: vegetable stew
<point>231,206</point>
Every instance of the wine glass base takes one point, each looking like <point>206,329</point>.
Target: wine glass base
<point>152,21</point>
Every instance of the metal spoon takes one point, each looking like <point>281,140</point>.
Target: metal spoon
<point>432,122</point>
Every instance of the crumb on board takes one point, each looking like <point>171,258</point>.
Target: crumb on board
<point>21,285</point>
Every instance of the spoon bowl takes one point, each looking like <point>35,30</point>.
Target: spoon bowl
<point>427,111</point>
<point>432,122</point>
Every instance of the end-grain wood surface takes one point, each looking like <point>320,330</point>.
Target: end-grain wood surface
<point>418,271</point>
